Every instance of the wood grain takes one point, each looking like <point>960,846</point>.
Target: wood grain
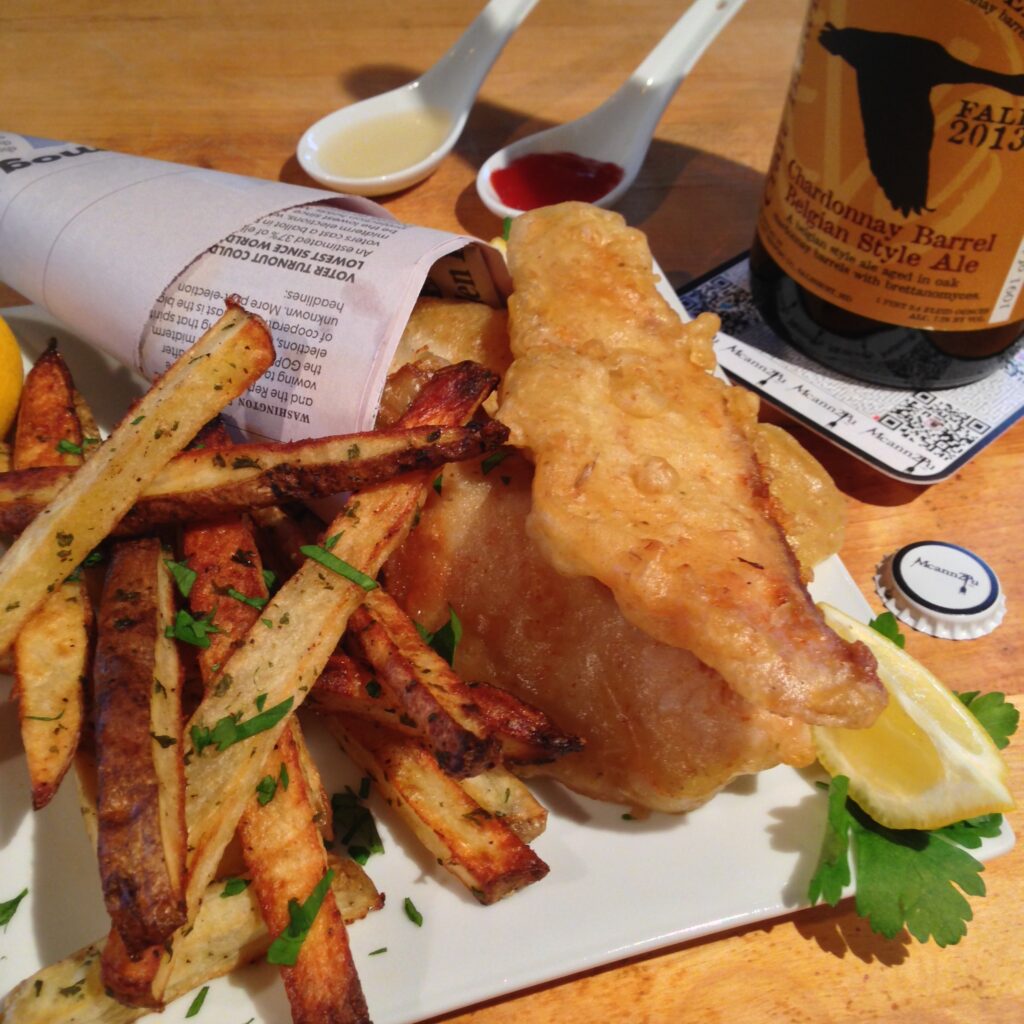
<point>232,86</point>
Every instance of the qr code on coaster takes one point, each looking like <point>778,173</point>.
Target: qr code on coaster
<point>938,427</point>
<point>731,301</point>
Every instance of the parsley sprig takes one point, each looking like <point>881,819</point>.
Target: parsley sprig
<point>907,878</point>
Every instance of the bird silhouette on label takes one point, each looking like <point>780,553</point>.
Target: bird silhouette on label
<point>895,76</point>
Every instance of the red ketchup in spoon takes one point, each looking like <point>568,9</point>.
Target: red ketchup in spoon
<point>541,179</point>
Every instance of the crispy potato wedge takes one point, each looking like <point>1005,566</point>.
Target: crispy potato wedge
<point>507,797</point>
<point>434,700</point>
<point>205,484</point>
<point>51,653</point>
<point>527,735</point>
<point>477,847</point>
<point>48,431</point>
<point>51,657</point>
<point>323,984</point>
<point>281,836</point>
<point>284,530</point>
<point>228,932</point>
<point>138,744</point>
<point>524,733</point>
<point>267,679</point>
<point>221,364</point>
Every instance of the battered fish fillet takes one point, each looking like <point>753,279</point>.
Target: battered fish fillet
<point>662,730</point>
<point>646,478</point>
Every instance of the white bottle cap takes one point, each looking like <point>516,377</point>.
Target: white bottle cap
<point>941,589</point>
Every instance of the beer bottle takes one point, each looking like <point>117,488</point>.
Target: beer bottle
<point>890,241</point>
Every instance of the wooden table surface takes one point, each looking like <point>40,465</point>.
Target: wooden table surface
<point>233,85</point>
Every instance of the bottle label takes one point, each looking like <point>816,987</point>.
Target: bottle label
<point>896,189</point>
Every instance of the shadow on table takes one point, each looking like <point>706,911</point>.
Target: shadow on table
<point>728,192</point>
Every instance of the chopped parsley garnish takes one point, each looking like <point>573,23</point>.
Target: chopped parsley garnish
<point>377,951</point>
<point>164,741</point>
<point>266,788</point>
<point>335,564</point>
<point>907,878</point>
<point>184,577</point>
<point>9,907</point>
<point>66,447</point>
<point>445,640</point>
<point>269,578</point>
<point>355,826</point>
<point>197,1003</point>
<point>253,602</point>
<point>887,625</point>
<point>234,886</point>
<point>231,729</point>
<point>191,630</point>
<point>137,420</point>
<point>437,482</point>
<point>506,228</point>
<point>412,913</point>
<point>46,718</point>
<point>494,459</point>
<point>285,948</point>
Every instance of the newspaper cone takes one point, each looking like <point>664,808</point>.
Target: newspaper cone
<point>137,256</point>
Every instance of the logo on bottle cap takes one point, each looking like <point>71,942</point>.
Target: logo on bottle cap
<point>941,589</point>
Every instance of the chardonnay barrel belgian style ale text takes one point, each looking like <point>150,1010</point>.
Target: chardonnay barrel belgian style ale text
<point>890,242</point>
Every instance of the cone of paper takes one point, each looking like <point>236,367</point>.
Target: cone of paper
<point>137,256</point>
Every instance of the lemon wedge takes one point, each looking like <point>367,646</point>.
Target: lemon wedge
<point>926,762</point>
<point>11,375</point>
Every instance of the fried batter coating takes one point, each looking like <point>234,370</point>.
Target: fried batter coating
<point>646,477</point>
<point>662,730</point>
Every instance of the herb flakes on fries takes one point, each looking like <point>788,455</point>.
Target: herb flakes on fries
<point>196,787</point>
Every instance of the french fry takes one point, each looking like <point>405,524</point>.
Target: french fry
<point>281,841</point>
<point>507,797</point>
<point>477,847</point>
<point>48,431</point>
<point>322,985</point>
<point>225,360</point>
<point>138,743</point>
<point>524,733</point>
<point>266,680</point>
<point>434,700</point>
<point>205,484</point>
<point>51,652</point>
<point>228,932</point>
<point>284,532</point>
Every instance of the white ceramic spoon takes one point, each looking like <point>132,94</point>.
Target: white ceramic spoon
<point>443,94</point>
<point>620,130</point>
